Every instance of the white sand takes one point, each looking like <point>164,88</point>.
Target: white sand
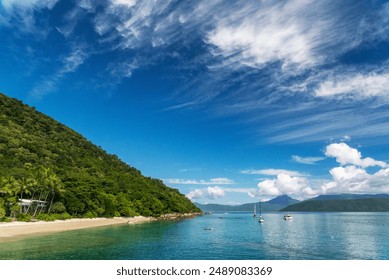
<point>12,230</point>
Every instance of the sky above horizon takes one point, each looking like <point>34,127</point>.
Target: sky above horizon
<point>228,101</point>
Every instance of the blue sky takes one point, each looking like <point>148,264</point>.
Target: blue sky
<point>228,101</point>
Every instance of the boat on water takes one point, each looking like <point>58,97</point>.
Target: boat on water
<point>261,220</point>
<point>288,217</point>
<point>254,212</point>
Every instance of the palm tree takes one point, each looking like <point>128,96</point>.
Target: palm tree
<point>32,184</point>
<point>50,183</point>
<point>24,186</point>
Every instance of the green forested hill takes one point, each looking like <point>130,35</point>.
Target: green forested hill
<point>341,205</point>
<point>41,159</point>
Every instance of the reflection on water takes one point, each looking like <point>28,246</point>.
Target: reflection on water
<point>218,236</point>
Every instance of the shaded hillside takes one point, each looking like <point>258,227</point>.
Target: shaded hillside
<point>272,205</point>
<point>348,196</point>
<point>341,205</point>
<point>42,159</point>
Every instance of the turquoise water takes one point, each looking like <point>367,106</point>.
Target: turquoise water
<point>328,236</point>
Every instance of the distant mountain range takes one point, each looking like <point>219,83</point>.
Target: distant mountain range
<point>275,204</point>
<point>321,203</point>
<point>343,203</point>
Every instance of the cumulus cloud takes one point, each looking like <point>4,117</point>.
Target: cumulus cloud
<point>352,176</point>
<point>344,154</point>
<point>212,181</point>
<point>285,184</point>
<point>351,179</point>
<point>209,193</point>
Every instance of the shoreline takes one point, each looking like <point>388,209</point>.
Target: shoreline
<point>13,231</point>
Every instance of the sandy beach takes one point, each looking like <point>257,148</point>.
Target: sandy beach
<point>17,230</point>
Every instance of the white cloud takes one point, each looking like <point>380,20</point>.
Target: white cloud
<point>28,4</point>
<point>307,160</point>
<point>70,63</point>
<point>358,86</point>
<point>285,184</point>
<point>273,33</point>
<point>210,193</point>
<point>296,33</point>
<point>345,138</point>
<point>23,13</point>
<point>213,181</point>
<point>352,177</point>
<point>126,3</point>
<point>271,172</point>
<point>344,154</point>
<point>217,192</point>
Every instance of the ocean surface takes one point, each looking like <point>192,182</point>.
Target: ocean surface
<point>238,236</point>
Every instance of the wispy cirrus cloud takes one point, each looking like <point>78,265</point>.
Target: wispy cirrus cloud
<point>271,172</point>
<point>359,86</point>
<point>217,192</point>
<point>255,59</point>
<point>212,181</point>
<point>70,63</point>
<point>307,160</point>
<point>22,12</point>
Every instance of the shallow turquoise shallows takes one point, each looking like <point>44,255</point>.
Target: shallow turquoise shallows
<point>327,236</point>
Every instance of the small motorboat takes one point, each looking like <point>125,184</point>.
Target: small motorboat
<point>288,217</point>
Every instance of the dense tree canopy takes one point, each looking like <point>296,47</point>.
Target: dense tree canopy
<point>44,160</point>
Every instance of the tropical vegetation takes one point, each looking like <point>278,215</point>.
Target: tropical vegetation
<point>48,169</point>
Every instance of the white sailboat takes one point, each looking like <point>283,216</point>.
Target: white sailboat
<point>255,211</point>
<point>261,220</point>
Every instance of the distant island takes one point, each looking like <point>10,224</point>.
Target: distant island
<point>48,171</point>
<point>321,203</point>
<point>343,203</point>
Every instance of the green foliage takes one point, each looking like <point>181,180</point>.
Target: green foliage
<point>2,208</point>
<point>45,217</point>
<point>53,217</point>
<point>90,215</point>
<point>42,159</point>
<point>22,217</point>
<point>58,208</point>
<point>341,205</point>
<point>5,220</point>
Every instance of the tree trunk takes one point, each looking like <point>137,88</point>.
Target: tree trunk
<point>51,202</point>
<point>36,207</point>
<point>32,198</point>
<point>40,211</point>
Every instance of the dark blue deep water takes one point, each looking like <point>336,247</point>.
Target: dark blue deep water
<point>325,236</point>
